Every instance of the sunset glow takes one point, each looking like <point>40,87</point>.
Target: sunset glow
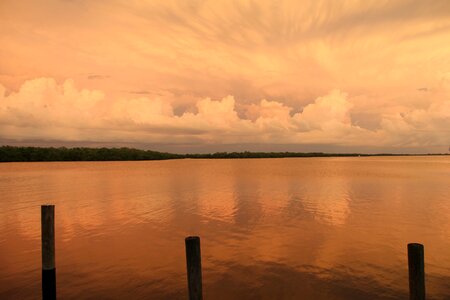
<point>364,76</point>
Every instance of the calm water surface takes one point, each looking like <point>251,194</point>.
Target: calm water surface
<point>302,228</point>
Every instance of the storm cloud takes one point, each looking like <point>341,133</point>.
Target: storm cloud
<point>343,73</point>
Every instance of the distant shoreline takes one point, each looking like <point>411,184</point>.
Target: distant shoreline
<point>47,154</point>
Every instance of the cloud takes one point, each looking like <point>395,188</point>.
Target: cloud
<point>42,109</point>
<point>139,92</point>
<point>293,51</point>
<point>420,127</point>
<point>97,76</point>
<point>313,71</point>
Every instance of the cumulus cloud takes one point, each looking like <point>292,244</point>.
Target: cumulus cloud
<point>45,110</point>
<point>419,127</point>
<point>312,71</point>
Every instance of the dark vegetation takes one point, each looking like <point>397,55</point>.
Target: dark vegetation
<point>12,153</point>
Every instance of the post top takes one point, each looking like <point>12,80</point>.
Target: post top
<point>415,245</point>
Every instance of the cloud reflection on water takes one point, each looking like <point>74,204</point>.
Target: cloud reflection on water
<point>317,228</point>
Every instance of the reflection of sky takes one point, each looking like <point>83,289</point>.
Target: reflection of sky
<point>266,225</point>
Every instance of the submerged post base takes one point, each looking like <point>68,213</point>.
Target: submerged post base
<point>49,284</point>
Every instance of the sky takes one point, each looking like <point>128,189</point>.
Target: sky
<point>200,76</point>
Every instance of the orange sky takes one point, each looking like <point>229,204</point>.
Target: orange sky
<point>190,75</point>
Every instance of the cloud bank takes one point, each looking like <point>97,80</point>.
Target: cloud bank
<point>45,110</point>
<point>344,73</point>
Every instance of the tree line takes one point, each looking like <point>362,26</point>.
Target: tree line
<point>18,154</point>
<point>12,153</point>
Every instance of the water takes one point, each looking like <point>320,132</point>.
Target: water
<point>300,228</point>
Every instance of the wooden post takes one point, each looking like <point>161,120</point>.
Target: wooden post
<point>416,266</point>
<point>194,267</point>
<point>48,252</point>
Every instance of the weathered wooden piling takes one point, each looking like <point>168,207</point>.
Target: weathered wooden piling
<point>48,252</point>
<point>194,267</point>
<point>416,266</point>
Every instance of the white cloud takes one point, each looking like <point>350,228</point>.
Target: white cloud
<point>42,109</point>
<point>326,113</point>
